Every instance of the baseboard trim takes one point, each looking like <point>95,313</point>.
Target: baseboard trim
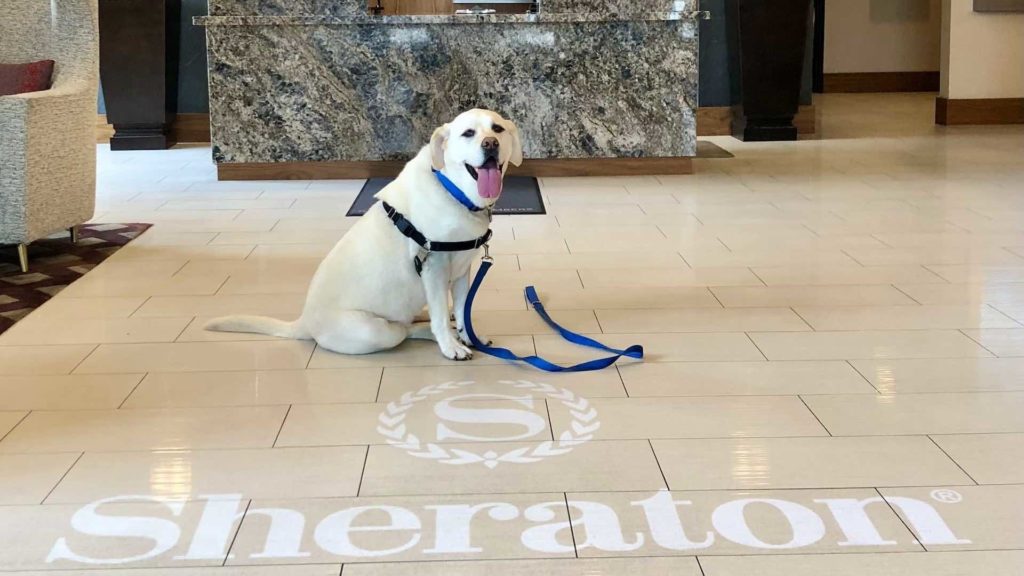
<point>187,127</point>
<point>862,82</point>
<point>717,120</point>
<point>540,168</point>
<point>959,112</point>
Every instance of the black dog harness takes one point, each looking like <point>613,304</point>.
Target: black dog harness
<point>426,246</point>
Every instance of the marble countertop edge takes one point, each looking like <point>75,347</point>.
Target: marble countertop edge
<point>454,19</point>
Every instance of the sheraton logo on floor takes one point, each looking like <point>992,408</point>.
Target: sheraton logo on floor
<point>452,406</point>
<point>147,528</point>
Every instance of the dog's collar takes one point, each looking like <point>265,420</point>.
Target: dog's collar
<point>455,192</point>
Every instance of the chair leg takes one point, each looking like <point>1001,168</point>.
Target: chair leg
<point>23,257</point>
<point>74,234</point>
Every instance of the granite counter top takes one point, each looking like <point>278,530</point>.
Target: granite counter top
<point>360,19</point>
<point>324,81</point>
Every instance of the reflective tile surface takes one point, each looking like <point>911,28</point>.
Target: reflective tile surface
<point>833,381</point>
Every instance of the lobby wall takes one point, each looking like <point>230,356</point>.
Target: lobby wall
<point>882,36</point>
<point>982,66</point>
<point>882,45</point>
<point>985,53</point>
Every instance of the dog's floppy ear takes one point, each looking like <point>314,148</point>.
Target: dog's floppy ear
<point>517,144</point>
<point>437,142</point>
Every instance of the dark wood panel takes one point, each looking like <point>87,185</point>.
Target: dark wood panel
<point>564,167</point>
<point>191,128</point>
<point>139,70</point>
<point>717,120</point>
<point>979,111</point>
<point>714,121</point>
<point>861,82</point>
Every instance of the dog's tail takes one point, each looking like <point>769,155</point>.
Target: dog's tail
<point>259,325</point>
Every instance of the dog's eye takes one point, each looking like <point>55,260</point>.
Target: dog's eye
<point>498,128</point>
<point>469,133</point>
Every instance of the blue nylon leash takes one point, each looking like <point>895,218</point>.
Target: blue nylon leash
<point>635,351</point>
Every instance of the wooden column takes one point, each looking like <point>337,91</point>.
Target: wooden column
<point>139,70</point>
<point>767,42</point>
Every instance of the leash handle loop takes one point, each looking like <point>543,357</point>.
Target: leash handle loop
<point>636,351</point>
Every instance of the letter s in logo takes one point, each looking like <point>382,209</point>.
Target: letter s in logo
<point>163,533</point>
<point>532,423</point>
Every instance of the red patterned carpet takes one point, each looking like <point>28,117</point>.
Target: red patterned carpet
<point>53,264</point>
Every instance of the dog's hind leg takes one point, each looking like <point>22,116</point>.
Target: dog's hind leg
<point>358,332</point>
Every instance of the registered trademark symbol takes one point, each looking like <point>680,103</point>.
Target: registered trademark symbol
<point>947,496</point>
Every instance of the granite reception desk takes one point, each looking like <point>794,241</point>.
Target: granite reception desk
<point>321,88</point>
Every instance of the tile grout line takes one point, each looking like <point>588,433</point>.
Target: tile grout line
<point>280,428</point>
<point>362,474</point>
<point>572,530</point>
<point>622,381</point>
<point>313,353</point>
<point>822,424</point>
<point>953,460</point>
<point>900,518</point>
<point>865,378</point>
<point>758,348</point>
<point>654,453</point>
<point>897,288</point>
<point>380,384</point>
<point>804,320</point>
<point>847,254</point>
<point>598,320</point>
<point>752,271</point>
<point>187,324</point>
<point>15,427</point>
<point>1003,314</point>
<point>227,555</point>
<point>936,274</point>
<point>84,358</point>
<point>715,296</point>
<point>61,479</point>
<point>134,388</point>
<point>982,346</point>
<point>551,426</point>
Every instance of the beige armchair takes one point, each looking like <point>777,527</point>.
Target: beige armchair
<point>47,139</point>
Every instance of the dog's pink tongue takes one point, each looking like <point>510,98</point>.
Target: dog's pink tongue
<point>488,182</point>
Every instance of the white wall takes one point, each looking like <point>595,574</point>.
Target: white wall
<point>982,53</point>
<point>882,35</point>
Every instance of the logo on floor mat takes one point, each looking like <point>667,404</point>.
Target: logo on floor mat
<point>479,418</point>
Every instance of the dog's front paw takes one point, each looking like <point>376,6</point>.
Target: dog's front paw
<point>455,350</point>
<point>464,338</point>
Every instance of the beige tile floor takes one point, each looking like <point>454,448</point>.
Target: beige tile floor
<point>834,381</point>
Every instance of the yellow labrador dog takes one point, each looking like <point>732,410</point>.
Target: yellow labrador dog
<point>369,289</point>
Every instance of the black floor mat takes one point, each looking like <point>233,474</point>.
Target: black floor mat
<point>519,195</point>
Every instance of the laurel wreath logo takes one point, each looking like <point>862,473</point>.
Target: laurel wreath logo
<point>581,429</point>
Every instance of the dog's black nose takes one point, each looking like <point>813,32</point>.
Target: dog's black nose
<point>490,145</point>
